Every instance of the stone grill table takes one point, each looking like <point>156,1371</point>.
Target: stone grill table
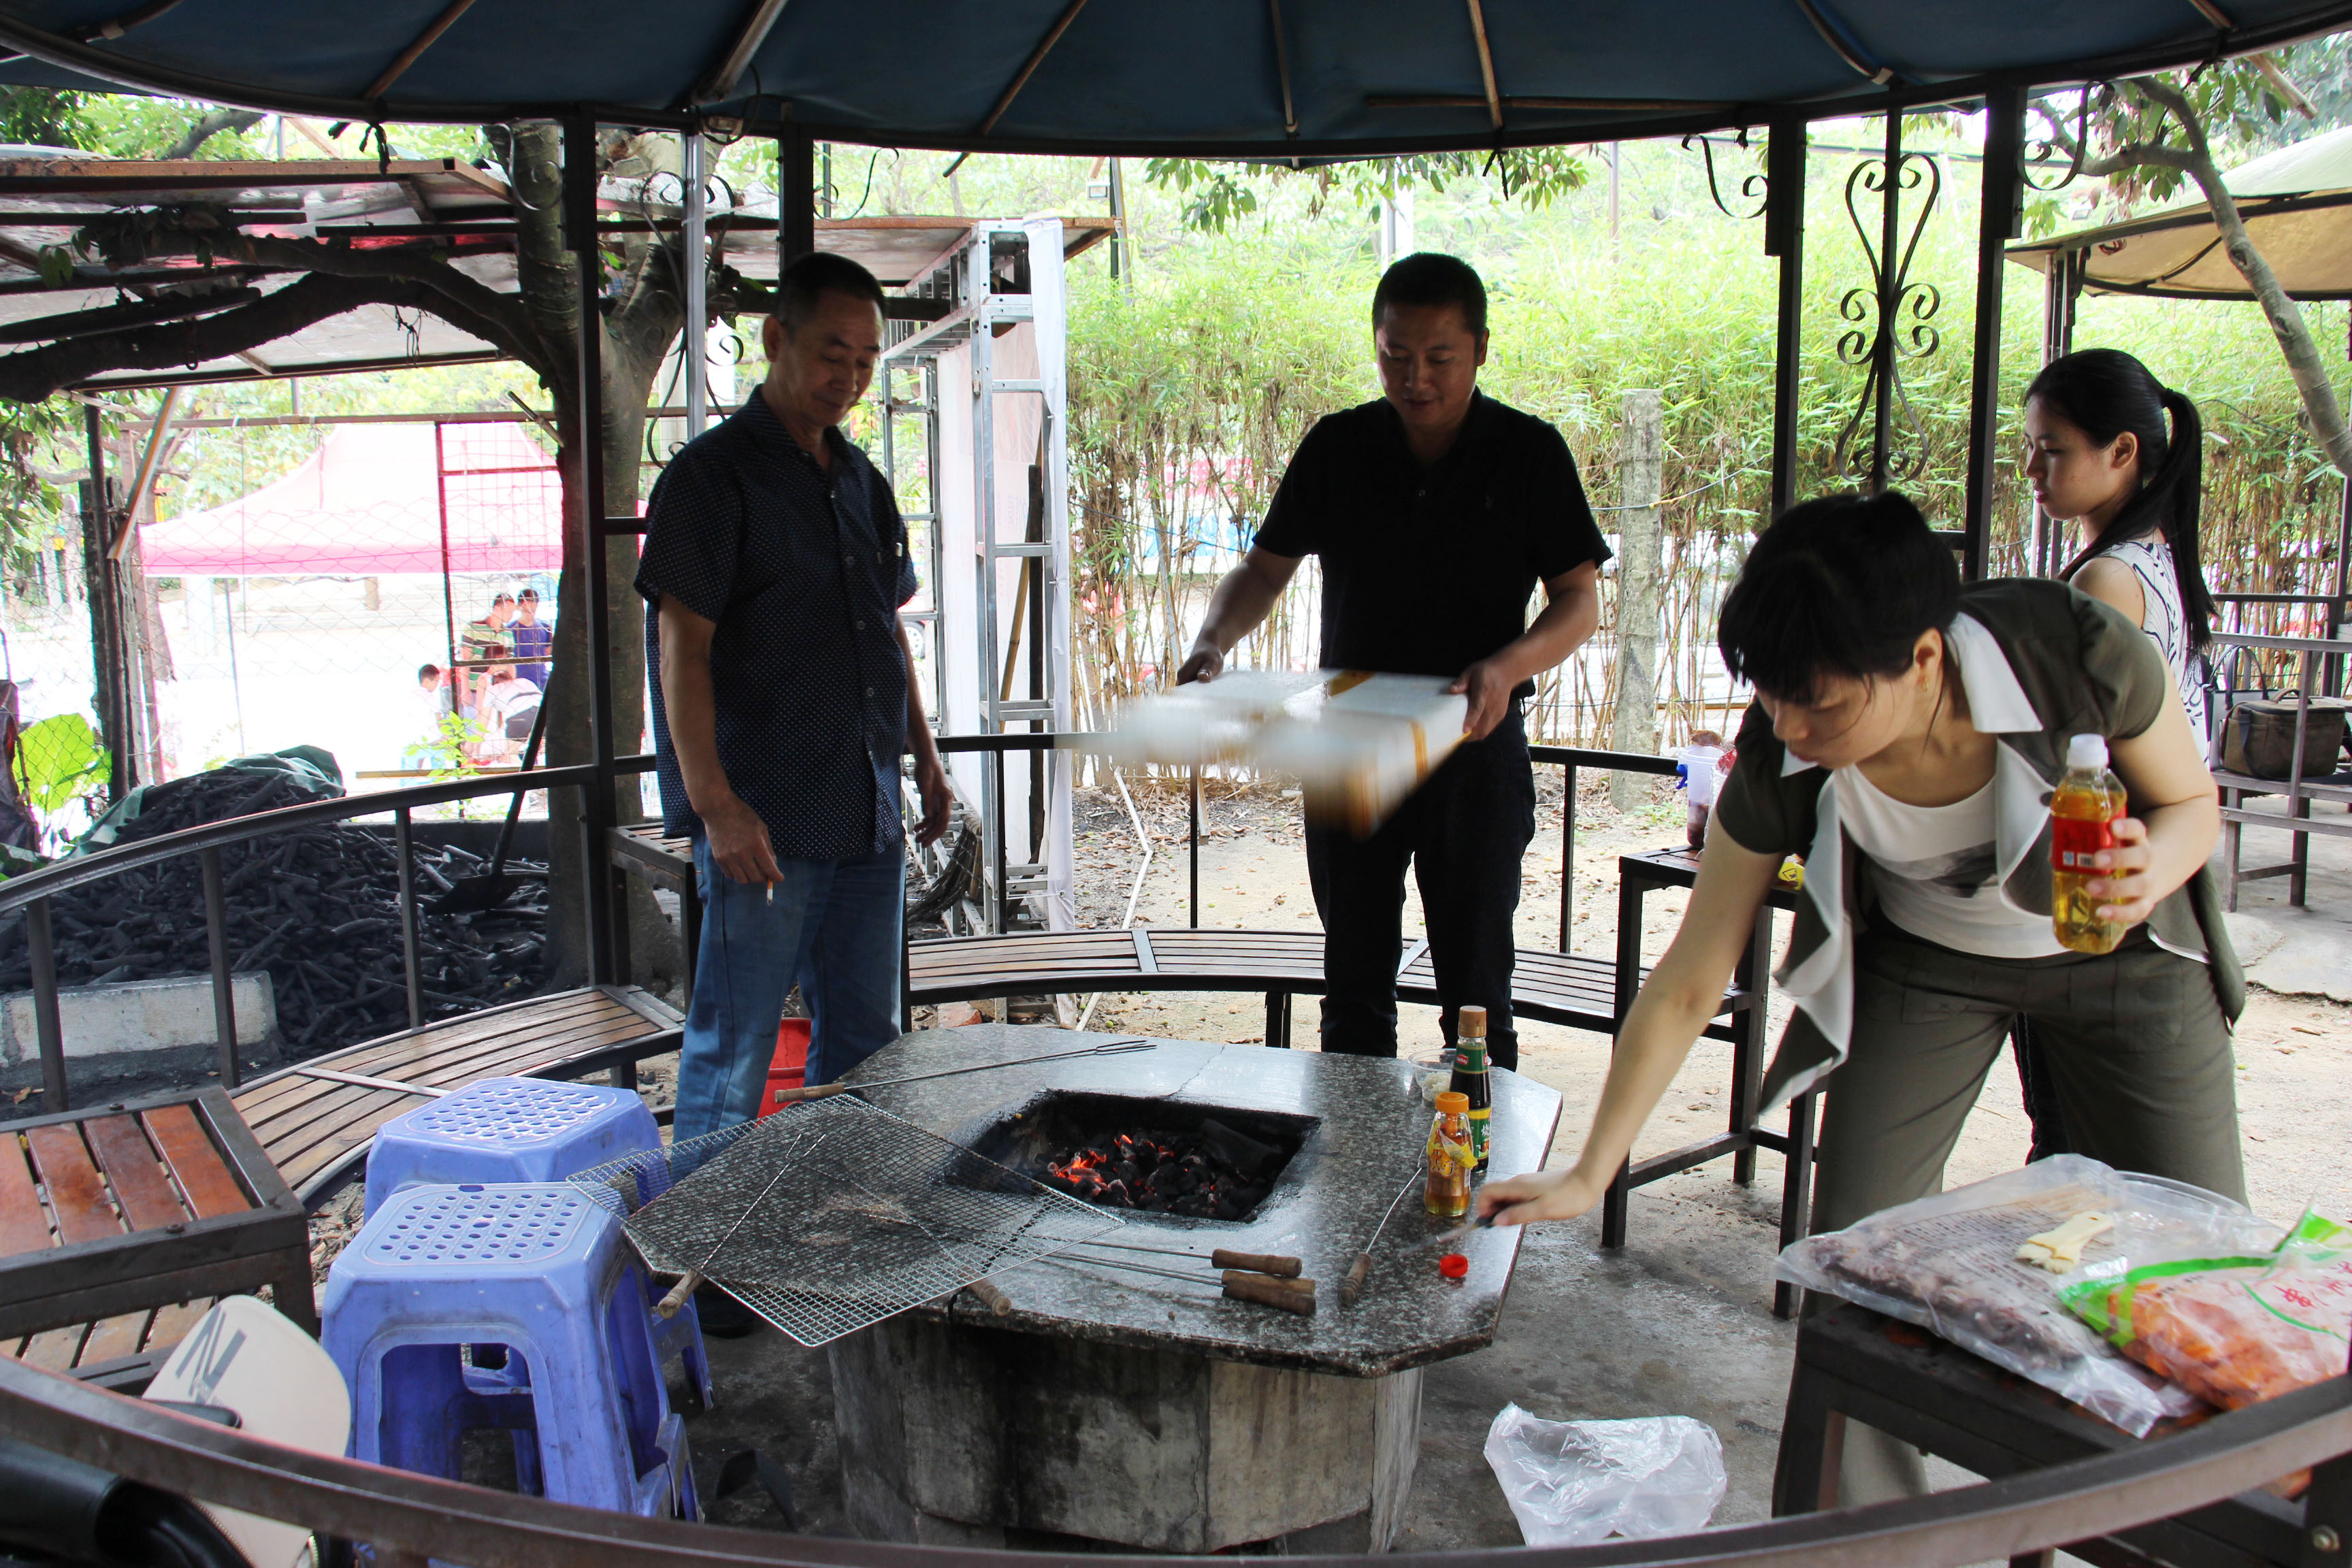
<point>1147,1412</point>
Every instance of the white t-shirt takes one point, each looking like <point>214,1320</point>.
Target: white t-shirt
<point>1939,871</point>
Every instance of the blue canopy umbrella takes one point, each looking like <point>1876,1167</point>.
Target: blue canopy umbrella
<point>1275,78</point>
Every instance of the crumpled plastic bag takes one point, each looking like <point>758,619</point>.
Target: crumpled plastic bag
<point>1573,1482</point>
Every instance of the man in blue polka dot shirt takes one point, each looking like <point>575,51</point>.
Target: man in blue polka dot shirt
<point>776,562</point>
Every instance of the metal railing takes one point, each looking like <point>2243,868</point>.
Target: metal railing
<point>30,894</point>
<point>1568,758</point>
<point>411,1518</point>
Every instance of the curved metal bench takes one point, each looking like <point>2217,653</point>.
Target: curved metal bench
<point>409,1518</point>
<point>1553,987</point>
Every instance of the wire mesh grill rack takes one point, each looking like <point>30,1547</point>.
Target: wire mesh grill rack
<point>831,1217</point>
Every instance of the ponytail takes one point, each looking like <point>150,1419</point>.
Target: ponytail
<point>2105,392</point>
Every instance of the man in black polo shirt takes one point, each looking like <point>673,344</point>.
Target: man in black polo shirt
<point>775,563</point>
<point>1434,511</point>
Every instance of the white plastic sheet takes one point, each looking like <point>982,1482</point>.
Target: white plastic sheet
<point>1573,1482</point>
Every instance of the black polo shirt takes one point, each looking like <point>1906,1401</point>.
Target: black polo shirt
<point>1427,571</point>
<point>803,569</point>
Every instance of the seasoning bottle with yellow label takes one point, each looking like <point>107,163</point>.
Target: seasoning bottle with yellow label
<point>1470,1077</point>
<point>1447,1192</point>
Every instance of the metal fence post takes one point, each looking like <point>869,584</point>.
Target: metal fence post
<point>45,1025</point>
<point>1567,851</point>
<point>1193,843</point>
<point>404,845</point>
<point>217,937</point>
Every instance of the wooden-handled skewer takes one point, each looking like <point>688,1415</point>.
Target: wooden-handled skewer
<point>1302,1287</point>
<point>990,1297</point>
<point>682,1292</point>
<point>1268,1292</point>
<point>1257,1263</point>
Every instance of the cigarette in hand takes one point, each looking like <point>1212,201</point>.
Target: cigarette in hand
<point>771,892</point>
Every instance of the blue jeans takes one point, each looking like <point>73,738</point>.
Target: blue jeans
<point>832,928</point>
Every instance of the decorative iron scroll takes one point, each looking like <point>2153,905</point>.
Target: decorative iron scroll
<point>1880,338</point>
<point>1756,187</point>
<point>2041,152</point>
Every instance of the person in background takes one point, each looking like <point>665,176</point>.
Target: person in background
<point>433,690</point>
<point>479,643</point>
<point>507,710</point>
<point>1434,511</point>
<point>2099,457</point>
<point>533,642</point>
<point>1906,734</point>
<point>775,564</point>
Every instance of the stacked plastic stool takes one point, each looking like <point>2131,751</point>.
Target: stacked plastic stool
<point>529,1130</point>
<point>536,1267</point>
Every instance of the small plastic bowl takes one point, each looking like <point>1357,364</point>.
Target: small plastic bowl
<point>1454,1265</point>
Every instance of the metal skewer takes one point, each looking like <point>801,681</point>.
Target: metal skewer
<point>825,1090</point>
<point>1289,1295</point>
<point>1353,1285</point>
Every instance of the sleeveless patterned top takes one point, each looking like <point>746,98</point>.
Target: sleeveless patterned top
<point>2161,617</point>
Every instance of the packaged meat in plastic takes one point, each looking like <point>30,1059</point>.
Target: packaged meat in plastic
<point>1951,1264</point>
<point>2232,1330</point>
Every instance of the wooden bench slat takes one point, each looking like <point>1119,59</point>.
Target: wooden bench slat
<point>23,1224</point>
<point>77,1195</point>
<point>53,1350</point>
<point>452,1056</point>
<point>140,1188</point>
<point>172,1325</point>
<point>300,1154</point>
<point>112,1337</point>
<point>210,1187</point>
<point>378,1060</point>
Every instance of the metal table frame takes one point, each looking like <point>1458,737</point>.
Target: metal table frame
<point>1637,876</point>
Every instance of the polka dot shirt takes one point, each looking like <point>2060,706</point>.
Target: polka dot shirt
<point>803,569</point>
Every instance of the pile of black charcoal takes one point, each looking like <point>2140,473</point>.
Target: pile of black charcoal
<point>316,908</point>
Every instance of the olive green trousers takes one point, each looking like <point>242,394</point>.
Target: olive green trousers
<point>2136,1041</point>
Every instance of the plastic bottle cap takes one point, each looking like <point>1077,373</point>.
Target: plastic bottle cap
<point>1454,1265</point>
<point>1473,1022</point>
<point>1452,1102</point>
<point>2087,751</point>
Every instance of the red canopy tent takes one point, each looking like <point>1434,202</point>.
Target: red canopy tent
<point>380,499</point>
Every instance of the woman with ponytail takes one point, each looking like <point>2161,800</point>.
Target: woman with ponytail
<point>2101,457</point>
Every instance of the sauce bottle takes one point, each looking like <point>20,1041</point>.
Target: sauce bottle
<point>1470,1077</point>
<point>2088,799</point>
<point>1447,1193</point>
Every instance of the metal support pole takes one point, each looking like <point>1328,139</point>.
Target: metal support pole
<point>694,341</point>
<point>1567,853</point>
<point>108,666</point>
<point>46,1027</point>
<point>2061,289</point>
<point>795,197</point>
<point>587,526</point>
<point>2000,220</point>
<point>404,845</point>
<point>223,992</point>
<point>1784,237</point>
<point>1193,841</point>
<point>1118,222</point>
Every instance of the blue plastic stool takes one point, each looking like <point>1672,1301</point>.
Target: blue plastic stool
<point>541,1270</point>
<point>528,1130</point>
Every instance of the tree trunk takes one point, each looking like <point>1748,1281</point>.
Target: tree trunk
<point>1640,469</point>
<point>2285,317</point>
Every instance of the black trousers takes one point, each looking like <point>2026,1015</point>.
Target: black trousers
<point>1465,834</point>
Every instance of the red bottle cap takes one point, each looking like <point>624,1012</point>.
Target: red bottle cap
<point>1454,1265</point>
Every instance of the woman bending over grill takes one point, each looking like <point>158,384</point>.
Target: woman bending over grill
<point>1905,733</point>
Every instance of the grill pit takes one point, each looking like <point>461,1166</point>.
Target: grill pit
<point>1149,1156</point>
<point>1112,1406</point>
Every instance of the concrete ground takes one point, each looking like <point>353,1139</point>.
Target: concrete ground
<point>1677,1322</point>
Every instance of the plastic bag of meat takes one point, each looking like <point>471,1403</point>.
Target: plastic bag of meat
<point>2232,1330</point>
<point>1982,1266</point>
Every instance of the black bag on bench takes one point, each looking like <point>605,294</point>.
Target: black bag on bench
<point>2258,737</point>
